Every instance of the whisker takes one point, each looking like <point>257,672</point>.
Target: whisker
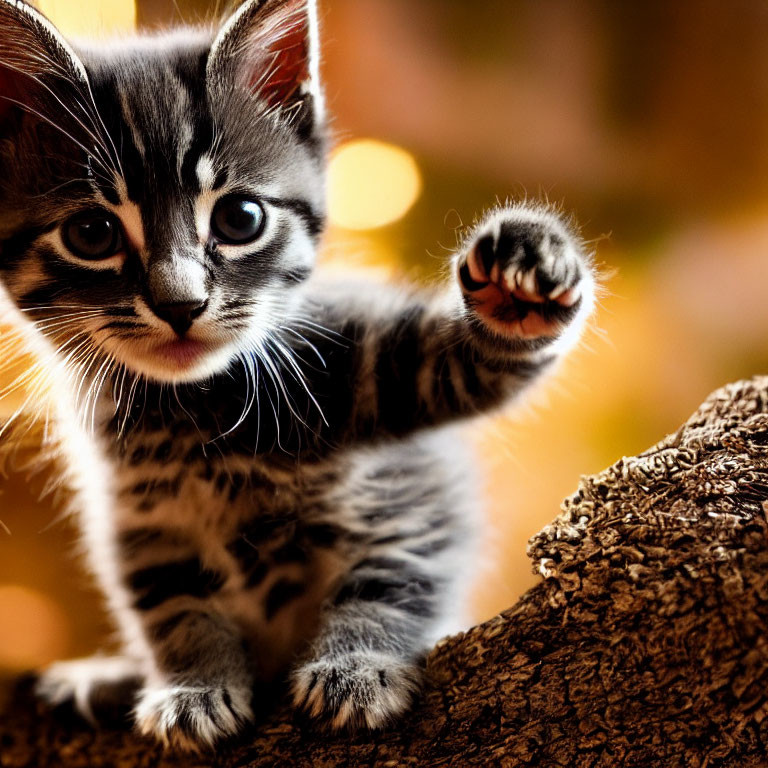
<point>297,374</point>
<point>307,342</point>
<point>275,407</point>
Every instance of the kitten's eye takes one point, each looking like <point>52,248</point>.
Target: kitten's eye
<point>93,235</point>
<point>237,220</point>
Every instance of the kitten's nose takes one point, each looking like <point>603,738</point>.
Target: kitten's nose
<point>179,315</point>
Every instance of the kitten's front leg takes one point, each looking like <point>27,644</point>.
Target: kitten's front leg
<point>195,691</point>
<point>398,363</point>
<point>201,689</point>
<point>364,667</point>
<point>362,671</point>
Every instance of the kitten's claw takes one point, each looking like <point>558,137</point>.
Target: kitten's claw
<point>525,275</point>
<point>191,717</point>
<point>357,690</point>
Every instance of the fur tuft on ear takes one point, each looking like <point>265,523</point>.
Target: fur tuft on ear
<point>269,47</point>
<point>33,56</point>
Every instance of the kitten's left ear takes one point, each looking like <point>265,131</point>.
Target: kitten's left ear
<point>37,65</point>
<point>270,47</point>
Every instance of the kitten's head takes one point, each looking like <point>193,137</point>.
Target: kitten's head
<point>160,198</point>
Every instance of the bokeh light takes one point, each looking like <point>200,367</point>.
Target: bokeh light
<point>90,17</point>
<point>35,630</point>
<point>371,184</point>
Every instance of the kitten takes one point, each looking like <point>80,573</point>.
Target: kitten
<point>264,480</point>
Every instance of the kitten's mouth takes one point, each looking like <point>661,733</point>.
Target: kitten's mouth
<point>181,352</point>
<point>179,360</point>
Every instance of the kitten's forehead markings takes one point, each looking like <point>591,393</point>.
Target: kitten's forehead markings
<point>182,108</point>
<point>206,175</point>
<point>130,121</point>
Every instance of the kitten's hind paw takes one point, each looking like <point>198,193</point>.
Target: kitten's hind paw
<point>524,274</point>
<point>100,688</point>
<point>192,717</point>
<point>357,690</point>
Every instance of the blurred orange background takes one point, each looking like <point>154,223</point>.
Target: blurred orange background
<point>648,120</point>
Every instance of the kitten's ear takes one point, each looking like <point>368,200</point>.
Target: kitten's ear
<point>34,59</point>
<point>270,47</point>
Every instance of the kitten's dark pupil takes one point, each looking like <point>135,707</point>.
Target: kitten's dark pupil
<point>237,220</point>
<point>92,235</point>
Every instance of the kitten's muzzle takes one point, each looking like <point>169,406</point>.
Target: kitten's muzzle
<point>180,315</point>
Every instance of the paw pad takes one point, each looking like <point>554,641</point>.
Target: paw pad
<point>525,280</point>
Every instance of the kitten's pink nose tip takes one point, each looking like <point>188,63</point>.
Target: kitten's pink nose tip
<point>180,315</point>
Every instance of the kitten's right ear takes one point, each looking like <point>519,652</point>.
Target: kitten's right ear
<point>34,61</point>
<point>270,48</point>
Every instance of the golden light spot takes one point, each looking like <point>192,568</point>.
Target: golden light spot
<point>90,18</point>
<point>35,629</point>
<point>371,184</point>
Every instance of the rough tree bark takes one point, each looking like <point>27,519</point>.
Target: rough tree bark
<point>644,644</point>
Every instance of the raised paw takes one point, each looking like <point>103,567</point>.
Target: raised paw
<point>356,690</point>
<point>524,274</point>
<point>191,717</point>
<point>99,687</point>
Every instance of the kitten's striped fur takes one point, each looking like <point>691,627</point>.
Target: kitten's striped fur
<point>267,479</point>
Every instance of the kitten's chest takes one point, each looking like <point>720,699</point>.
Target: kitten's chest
<point>228,503</point>
<point>264,530</point>
<point>177,476</point>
